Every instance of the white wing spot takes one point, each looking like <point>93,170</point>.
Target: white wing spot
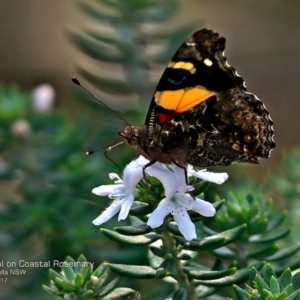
<point>190,44</point>
<point>208,62</point>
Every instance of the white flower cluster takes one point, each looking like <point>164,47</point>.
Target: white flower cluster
<point>177,199</point>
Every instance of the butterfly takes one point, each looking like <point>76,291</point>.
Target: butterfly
<point>201,113</point>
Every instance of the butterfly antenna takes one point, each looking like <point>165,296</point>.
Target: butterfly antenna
<point>76,81</point>
<point>108,150</point>
<point>90,152</point>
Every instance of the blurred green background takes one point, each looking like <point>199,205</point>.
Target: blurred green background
<point>119,50</point>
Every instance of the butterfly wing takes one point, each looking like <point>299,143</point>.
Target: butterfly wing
<point>232,126</point>
<point>197,71</point>
<point>201,113</point>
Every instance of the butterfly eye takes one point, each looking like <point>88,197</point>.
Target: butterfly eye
<point>177,78</point>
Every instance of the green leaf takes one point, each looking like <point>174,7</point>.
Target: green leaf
<point>167,268</point>
<point>294,296</point>
<point>282,296</point>
<point>252,275</point>
<point>82,259</point>
<point>140,209</point>
<point>67,286</point>
<point>95,49</point>
<point>224,253</point>
<point>54,276</point>
<point>98,14</point>
<point>110,86</point>
<point>204,291</point>
<point>274,285</point>
<point>285,279</point>
<point>105,39</point>
<point>179,294</point>
<point>83,268</point>
<point>260,238</point>
<point>133,230</point>
<point>288,289</point>
<point>88,294</point>
<point>157,251</point>
<point>214,241</point>
<point>218,204</point>
<point>261,285</point>
<point>257,225</point>
<point>276,221</point>
<point>200,188</point>
<point>49,290</point>
<point>69,273</point>
<point>195,273</point>
<point>263,253</point>
<point>268,295</point>
<point>295,265</point>
<point>239,276</point>
<point>296,281</point>
<point>201,245</point>
<point>172,227</point>
<point>142,272</point>
<point>240,293</point>
<point>219,266</point>
<point>79,280</point>
<point>159,13</point>
<point>109,287</point>
<point>285,253</point>
<point>184,256</point>
<point>131,240</point>
<point>268,273</point>
<point>119,293</point>
<point>254,210</point>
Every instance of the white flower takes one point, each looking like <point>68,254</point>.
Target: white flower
<point>123,191</point>
<point>177,201</point>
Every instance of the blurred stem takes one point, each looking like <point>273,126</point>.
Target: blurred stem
<point>243,254</point>
<point>170,245</point>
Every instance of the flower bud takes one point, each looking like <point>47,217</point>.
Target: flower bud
<point>67,297</point>
<point>94,280</point>
<point>20,128</point>
<point>43,97</point>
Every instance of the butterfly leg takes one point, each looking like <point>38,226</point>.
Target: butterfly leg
<point>185,171</point>
<point>145,177</point>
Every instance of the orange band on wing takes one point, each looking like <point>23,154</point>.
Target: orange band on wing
<point>181,100</point>
<point>182,65</point>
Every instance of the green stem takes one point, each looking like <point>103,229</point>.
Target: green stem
<point>170,245</point>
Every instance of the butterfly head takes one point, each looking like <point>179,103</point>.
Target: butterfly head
<point>134,136</point>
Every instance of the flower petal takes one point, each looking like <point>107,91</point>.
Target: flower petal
<point>109,212</point>
<point>203,208</point>
<point>158,215</point>
<point>113,176</point>
<point>104,190</point>
<point>141,160</point>
<point>126,207</point>
<point>217,178</point>
<point>165,176</point>
<point>179,174</point>
<point>185,225</point>
<point>133,173</point>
